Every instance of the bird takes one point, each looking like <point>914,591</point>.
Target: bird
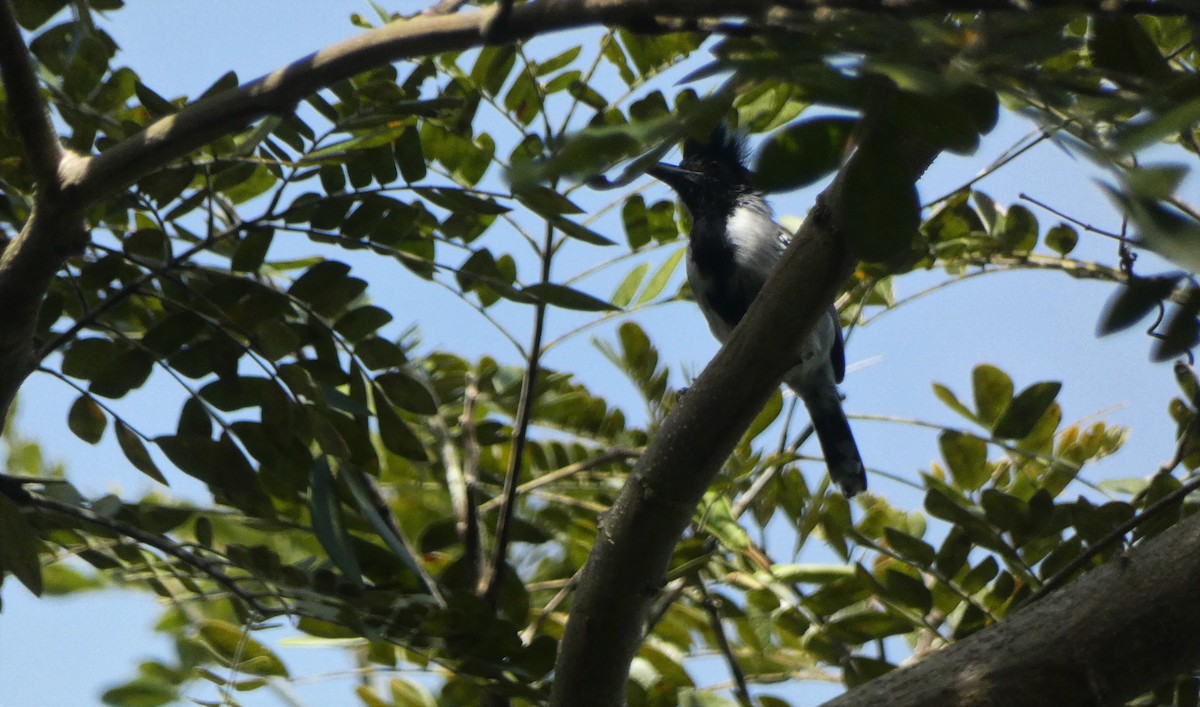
<point>733,247</point>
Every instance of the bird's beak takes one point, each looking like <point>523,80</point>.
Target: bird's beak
<point>671,175</point>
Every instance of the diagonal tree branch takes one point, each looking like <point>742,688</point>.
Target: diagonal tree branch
<point>636,538</point>
<point>29,111</point>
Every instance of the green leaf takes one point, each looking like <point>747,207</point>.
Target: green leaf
<point>993,392</point>
<point>546,202</point>
<point>142,692</point>
<point>1129,304</point>
<point>1120,45</point>
<point>87,420</point>
<point>493,66</point>
<point>881,212</point>
<point>1017,230</point>
<point>397,436</point>
<point>136,453</point>
<point>523,100</point>
<point>939,504</point>
<point>408,391</point>
<point>559,61</point>
<point>1181,334</point>
<point>803,153</point>
<point>951,400</point>
<point>328,523</point>
<point>1005,511</point>
<point>89,62</point>
<point>567,298</point>
<point>658,281</point>
<point>910,548</point>
<point>86,358</point>
<point>222,466</point>
<point>400,545</point>
<point>870,626</point>
<point>629,286</point>
<point>979,575</point>
<point>236,648</point>
<point>636,221</point>
<point>811,573</point>
<point>1062,239</point>
<point>19,549</point>
<point>455,200</point>
<point>1024,412</point>
<point>719,521</point>
<point>410,156</point>
<point>579,232</point>
<point>358,323</point>
<point>32,14</point>
<point>148,244</point>
<point>966,456</point>
<point>252,250</point>
<point>1143,133</point>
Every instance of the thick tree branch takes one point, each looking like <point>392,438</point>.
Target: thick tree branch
<point>198,124</point>
<point>29,111</point>
<point>1099,641</point>
<point>636,537</point>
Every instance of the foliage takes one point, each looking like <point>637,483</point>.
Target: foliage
<point>358,476</point>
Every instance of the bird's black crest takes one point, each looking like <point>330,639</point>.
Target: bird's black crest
<point>723,147</point>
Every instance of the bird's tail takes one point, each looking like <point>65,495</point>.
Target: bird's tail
<point>837,441</point>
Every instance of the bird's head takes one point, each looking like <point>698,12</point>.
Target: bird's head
<point>712,170</point>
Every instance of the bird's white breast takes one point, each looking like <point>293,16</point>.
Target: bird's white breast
<point>754,236</point>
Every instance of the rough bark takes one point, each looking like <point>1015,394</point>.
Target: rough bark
<point>1115,633</point>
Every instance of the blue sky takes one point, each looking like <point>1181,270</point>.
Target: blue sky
<point>1035,326</point>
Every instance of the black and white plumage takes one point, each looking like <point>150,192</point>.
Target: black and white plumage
<point>733,247</point>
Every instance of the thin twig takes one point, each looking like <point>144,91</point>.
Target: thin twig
<point>1004,159</point>
<point>717,621</point>
<point>1085,226</point>
<point>490,584</point>
<point>535,626</point>
<point>28,108</point>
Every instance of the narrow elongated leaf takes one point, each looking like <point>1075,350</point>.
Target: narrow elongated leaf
<point>579,232</point>
<point>137,453</point>
<point>328,523</point>
<point>397,436</point>
<point>658,281</point>
<point>400,545</point>
<point>567,298</point>
<point>629,286</point>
